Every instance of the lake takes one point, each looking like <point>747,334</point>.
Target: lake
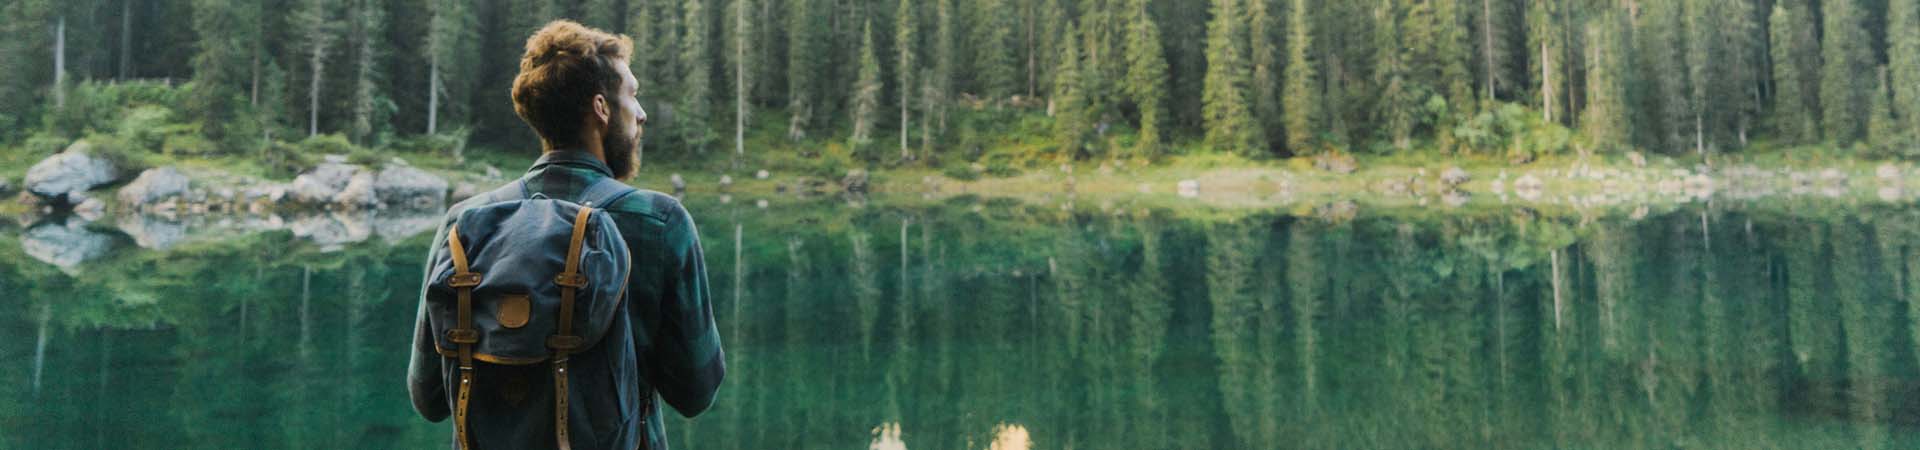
<point>973,324</point>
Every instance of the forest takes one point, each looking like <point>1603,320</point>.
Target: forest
<point>936,81</point>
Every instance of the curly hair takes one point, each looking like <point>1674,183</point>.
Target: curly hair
<point>565,65</point>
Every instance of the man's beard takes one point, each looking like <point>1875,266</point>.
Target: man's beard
<point>619,148</point>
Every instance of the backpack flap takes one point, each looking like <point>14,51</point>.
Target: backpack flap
<point>519,248</point>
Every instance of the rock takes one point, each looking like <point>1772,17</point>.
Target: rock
<point>493,172</point>
<point>761,175</point>
<point>1638,160</point>
<point>359,192</point>
<point>334,158</point>
<point>679,183</point>
<point>855,181</point>
<point>1528,182</point>
<point>1454,176</point>
<point>70,171</point>
<point>393,228</point>
<point>1454,199</point>
<point>1887,171</point>
<point>89,209</point>
<point>1339,163</point>
<point>726,180</point>
<point>1188,188</point>
<point>151,231</point>
<point>1832,174</point>
<point>332,231</point>
<point>5,186</point>
<point>323,183</point>
<point>153,186</point>
<point>65,245</point>
<point>407,187</point>
<point>976,168</point>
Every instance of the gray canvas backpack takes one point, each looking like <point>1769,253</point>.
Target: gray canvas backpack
<point>524,280</point>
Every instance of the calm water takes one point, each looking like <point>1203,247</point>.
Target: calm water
<point>964,324</point>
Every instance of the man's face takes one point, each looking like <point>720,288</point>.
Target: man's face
<point>622,136</point>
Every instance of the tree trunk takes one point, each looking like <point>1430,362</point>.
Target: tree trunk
<point>318,63</point>
<point>1546,84</point>
<point>1486,32</point>
<point>126,37</point>
<point>60,63</point>
<point>433,93</point>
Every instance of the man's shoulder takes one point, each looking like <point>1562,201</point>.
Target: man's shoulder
<point>649,204</point>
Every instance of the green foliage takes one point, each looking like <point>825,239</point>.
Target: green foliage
<point>1302,102</point>
<point>1146,77</point>
<point>1847,72</point>
<point>1226,111</point>
<point>1072,128</point>
<point>866,94</point>
<point>1512,130</point>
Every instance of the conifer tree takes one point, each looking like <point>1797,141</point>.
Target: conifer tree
<point>805,59</point>
<point>1547,45</point>
<point>741,49</point>
<point>944,66</point>
<point>1146,75</point>
<point>371,108</point>
<point>224,48</point>
<point>1883,132</point>
<point>317,28</point>
<point>866,92</point>
<point>1606,119</point>
<point>1795,73</point>
<point>1263,44</point>
<point>451,34</point>
<point>1227,114</point>
<point>1846,71</point>
<point>1903,59</point>
<point>1398,107</point>
<point>1302,91</point>
<point>694,111</point>
<point>1053,23</point>
<point>1071,126</point>
<point>994,40</point>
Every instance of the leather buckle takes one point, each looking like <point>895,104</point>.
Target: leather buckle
<point>564,343</point>
<point>572,280</point>
<point>459,336</point>
<point>464,280</point>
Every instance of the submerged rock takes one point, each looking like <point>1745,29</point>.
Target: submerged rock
<point>71,171</point>
<point>153,186</point>
<point>151,231</point>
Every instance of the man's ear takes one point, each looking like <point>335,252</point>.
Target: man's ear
<point>600,111</point>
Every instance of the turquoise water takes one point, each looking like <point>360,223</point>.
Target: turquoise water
<point>959,324</point>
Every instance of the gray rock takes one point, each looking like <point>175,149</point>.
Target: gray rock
<point>359,192</point>
<point>762,174</point>
<point>153,186</point>
<point>408,187</point>
<point>323,183</point>
<point>679,183</point>
<point>89,209</point>
<point>855,181</point>
<point>1188,188</point>
<point>5,186</point>
<point>152,232</point>
<point>65,245</point>
<point>74,170</point>
<point>726,180</point>
<point>1339,163</point>
<point>1637,159</point>
<point>1454,176</point>
<point>1887,171</point>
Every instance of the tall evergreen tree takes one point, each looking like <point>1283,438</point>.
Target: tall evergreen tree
<point>1903,60</point>
<point>944,65</point>
<point>1398,107</point>
<point>220,66</point>
<point>1847,70</point>
<point>1548,46</point>
<point>1071,126</point>
<point>993,39</point>
<point>806,56</point>
<point>1263,44</point>
<point>1883,131</point>
<point>1606,120</point>
<point>1146,76</point>
<point>1303,116</point>
<point>866,93</point>
<point>371,107</point>
<point>1052,29</point>
<point>741,48</point>
<point>1796,76</point>
<point>694,113</point>
<point>451,34</point>
<point>1228,116</point>
<point>317,27</point>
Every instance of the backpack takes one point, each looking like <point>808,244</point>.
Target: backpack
<point>511,280</point>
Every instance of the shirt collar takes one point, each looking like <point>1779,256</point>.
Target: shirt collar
<point>575,158</point>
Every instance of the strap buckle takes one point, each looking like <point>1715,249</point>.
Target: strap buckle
<point>564,343</point>
<point>464,280</point>
<point>463,336</point>
<point>572,280</point>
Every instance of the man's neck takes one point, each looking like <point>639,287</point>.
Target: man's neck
<point>589,146</point>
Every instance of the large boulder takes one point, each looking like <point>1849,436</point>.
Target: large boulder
<point>70,171</point>
<point>855,181</point>
<point>321,184</point>
<point>65,245</point>
<point>1454,176</point>
<point>5,186</point>
<point>408,187</point>
<point>153,186</point>
<point>359,192</point>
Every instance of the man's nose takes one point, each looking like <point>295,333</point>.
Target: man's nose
<point>640,115</point>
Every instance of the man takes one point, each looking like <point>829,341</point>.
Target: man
<point>575,90</point>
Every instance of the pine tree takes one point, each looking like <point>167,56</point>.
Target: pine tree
<point>1302,91</point>
<point>1606,118</point>
<point>994,40</point>
<point>1903,59</point>
<point>1263,39</point>
<point>904,42</point>
<point>371,108</point>
<point>944,66</point>
<point>866,93</point>
<point>1883,130</point>
<point>316,20</point>
<point>224,48</point>
<point>1795,73</point>
<point>1146,76</point>
<point>693,112</point>
<point>1668,117</point>
<point>1052,29</point>
<point>1545,19</point>
<point>1846,71</point>
<point>1397,108</point>
<point>451,34</point>
<point>806,57</point>
<point>1228,116</point>
<point>1071,126</point>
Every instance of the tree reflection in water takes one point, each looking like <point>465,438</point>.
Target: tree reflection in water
<point>1016,327</point>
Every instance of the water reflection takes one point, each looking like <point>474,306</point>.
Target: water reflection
<point>953,326</point>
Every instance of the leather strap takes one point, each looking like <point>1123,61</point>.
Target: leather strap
<point>564,342</point>
<point>463,333</point>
